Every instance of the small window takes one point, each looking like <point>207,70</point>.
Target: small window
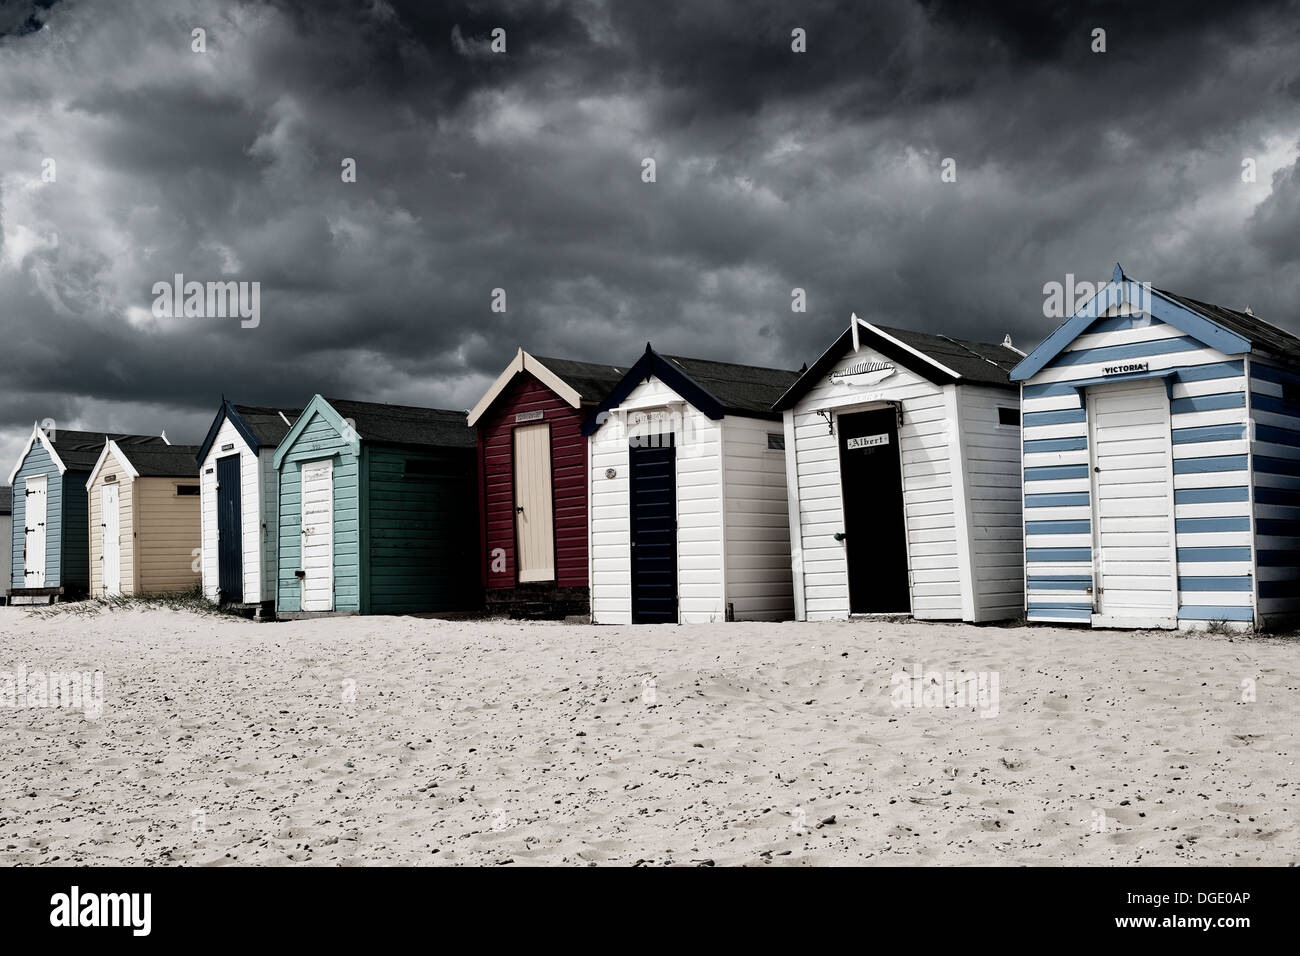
<point>1291,393</point>
<point>187,490</point>
<point>775,442</point>
<point>1008,416</point>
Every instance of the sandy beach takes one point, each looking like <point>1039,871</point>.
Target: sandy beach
<point>415,741</point>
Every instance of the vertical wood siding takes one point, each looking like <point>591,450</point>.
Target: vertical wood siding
<point>1213,545</point>
<point>38,462</point>
<point>166,535</point>
<point>319,440</point>
<point>928,493</point>
<point>1275,409</point>
<point>568,478</point>
<point>759,586</point>
<point>126,529</point>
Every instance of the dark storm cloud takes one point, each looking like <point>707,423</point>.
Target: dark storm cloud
<point>522,171</point>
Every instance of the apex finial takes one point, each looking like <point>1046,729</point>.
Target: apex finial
<point>1117,274</point>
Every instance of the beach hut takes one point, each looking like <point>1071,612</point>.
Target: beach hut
<point>688,499</point>
<point>378,511</point>
<point>144,519</point>
<point>532,466</point>
<point>1162,465</point>
<point>903,465</point>
<point>237,497</point>
<point>50,550</point>
<point>6,536</point>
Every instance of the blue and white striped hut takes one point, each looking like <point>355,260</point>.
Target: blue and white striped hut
<point>1162,465</point>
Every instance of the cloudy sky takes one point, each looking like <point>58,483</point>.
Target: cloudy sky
<point>523,171</point>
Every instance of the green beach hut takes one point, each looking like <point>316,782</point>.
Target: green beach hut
<point>378,511</point>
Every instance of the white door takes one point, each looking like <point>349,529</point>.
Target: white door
<point>112,539</point>
<point>1135,571</point>
<point>34,539</point>
<point>534,512</point>
<point>318,536</point>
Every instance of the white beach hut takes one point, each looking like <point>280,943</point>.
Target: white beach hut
<point>687,473</point>
<point>902,456</point>
<point>239,503</point>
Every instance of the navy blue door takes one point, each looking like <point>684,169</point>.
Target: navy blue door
<point>230,551</point>
<point>654,530</point>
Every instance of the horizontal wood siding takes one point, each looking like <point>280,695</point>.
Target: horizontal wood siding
<point>992,473</point>
<point>126,528</point>
<point>6,550</point>
<point>1275,410</point>
<point>269,527</point>
<point>166,535</point>
<point>1213,545</point>
<point>319,440</point>
<point>252,512</point>
<point>422,531</point>
<point>568,479</point>
<point>700,508</point>
<point>928,492</point>
<point>74,549</point>
<point>38,462</point>
<point>758,529</point>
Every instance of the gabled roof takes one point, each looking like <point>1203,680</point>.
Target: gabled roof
<point>6,500</point>
<point>715,388</point>
<point>592,381</point>
<point>407,424</point>
<point>149,460</point>
<point>577,383</point>
<point>1229,331</point>
<point>77,451</point>
<point>384,424</point>
<point>941,359</point>
<point>261,426</point>
<point>1261,334</point>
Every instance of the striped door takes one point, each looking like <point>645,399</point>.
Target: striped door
<point>534,509</point>
<point>34,532</point>
<point>318,536</point>
<point>653,502</point>
<point>1134,565</point>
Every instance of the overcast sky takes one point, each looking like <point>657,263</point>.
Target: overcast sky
<point>479,170</point>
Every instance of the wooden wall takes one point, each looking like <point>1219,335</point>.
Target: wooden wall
<point>568,480</point>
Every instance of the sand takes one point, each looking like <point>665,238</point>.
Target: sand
<point>495,742</point>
